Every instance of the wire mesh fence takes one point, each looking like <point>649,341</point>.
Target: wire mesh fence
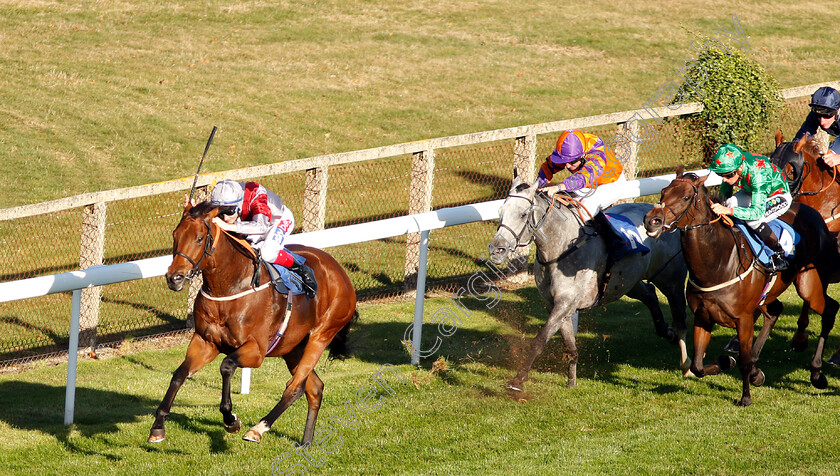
<point>356,192</point>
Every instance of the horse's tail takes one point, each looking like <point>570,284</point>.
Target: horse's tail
<point>340,345</point>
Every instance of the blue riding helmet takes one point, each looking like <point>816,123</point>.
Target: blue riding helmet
<point>827,98</point>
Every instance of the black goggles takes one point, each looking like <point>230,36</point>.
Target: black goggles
<point>729,175</point>
<point>823,111</point>
<point>228,210</point>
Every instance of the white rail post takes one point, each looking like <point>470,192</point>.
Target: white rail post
<point>72,358</point>
<point>420,298</point>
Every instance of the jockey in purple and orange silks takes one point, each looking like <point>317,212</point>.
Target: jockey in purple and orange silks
<point>591,165</point>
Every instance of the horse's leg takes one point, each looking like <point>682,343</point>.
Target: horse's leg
<point>199,353</point>
<point>314,395</point>
<point>810,288</point>
<point>746,329</point>
<point>248,355</point>
<point>674,292</point>
<point>702,335</point>
<point>312,351</point>
<point>771,312</point>
<point>646,293</point>
<point>799,341</point>
<point>314,391</point>
<point>560,316</point>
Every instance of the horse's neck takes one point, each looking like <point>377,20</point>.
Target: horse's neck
<point>558,230</point>
<point>709,250</point>
<point>230,271</point>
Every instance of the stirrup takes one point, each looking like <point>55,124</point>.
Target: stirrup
<point>778,263</point>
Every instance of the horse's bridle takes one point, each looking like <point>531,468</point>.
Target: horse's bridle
<point>208,251</point>
<point>529,224</point>
<point>678,217</point>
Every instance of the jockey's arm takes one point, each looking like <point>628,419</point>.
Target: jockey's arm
<point>756,209</point>
<point>258,225</point>
<point>831,158</point>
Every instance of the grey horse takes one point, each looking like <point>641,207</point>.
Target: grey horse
<point>571,259</point>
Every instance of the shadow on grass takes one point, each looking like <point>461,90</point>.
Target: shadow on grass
<point>38,407</point>
<point>620,335</point>
<point>98,413</point>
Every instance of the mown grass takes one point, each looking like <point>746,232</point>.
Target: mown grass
<point>99,95</point>
<point>632,412</point>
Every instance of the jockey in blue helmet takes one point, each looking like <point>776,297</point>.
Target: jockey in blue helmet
<point>825,104</point>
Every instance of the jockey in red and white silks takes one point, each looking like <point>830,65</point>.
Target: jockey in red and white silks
<point>253,211</point>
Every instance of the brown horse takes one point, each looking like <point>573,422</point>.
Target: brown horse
<point>812,181</point>
<point>815,184</point>
<point>241,321</point>
<point>726,284</point>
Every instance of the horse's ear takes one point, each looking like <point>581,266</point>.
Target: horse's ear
<point>702,180</point>
<point>797,147</point>
<point>188,204</point>
<point>779,138</point>
<point>680,171</point>
<point>515,172</point>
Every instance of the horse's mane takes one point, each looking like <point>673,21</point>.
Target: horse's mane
<point>522,186</point>
<point>811,147</point>
<point>202,209</point>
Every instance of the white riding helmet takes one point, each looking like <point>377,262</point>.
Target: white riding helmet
<point>227,193</point>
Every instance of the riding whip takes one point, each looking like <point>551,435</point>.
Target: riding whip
<point>206,148</point>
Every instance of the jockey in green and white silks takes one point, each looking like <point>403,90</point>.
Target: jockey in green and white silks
<point>764,194</point>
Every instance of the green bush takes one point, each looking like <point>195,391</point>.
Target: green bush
<point>739,97</point>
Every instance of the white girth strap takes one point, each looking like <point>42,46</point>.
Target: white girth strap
<point>734,280</point>
<point>235,296</point>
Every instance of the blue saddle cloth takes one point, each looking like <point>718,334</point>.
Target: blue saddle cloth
<point>626,229</point>
<point>788,238</point>
<point>287,281</point>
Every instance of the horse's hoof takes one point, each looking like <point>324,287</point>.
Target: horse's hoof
<point>235,426</point>
<point>733,346</point>
<point>758,379</point>
<point>799,346</point>
<point>157,435</point>
<point>726,362</point>
<point>252,435</point>
<point>820,382</point>
<point>745,402</point>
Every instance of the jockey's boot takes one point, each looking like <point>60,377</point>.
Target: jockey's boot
<point>778,261</point>
<point>615,244</point>
<point>307,276</point>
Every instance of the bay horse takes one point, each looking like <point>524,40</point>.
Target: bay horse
<point>728,287</point>
<point>815,184</point>
<point>571,259</point>
<point>242,321</point>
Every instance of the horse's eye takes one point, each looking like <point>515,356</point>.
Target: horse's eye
<point>523,214</point>
<point>200,239</point>
<point>686,198</point>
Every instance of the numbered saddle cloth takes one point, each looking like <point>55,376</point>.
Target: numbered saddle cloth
<point>629,233</point>
<point>788,238</point>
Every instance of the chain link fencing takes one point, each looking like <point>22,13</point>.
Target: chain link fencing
<point>355,192</point>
